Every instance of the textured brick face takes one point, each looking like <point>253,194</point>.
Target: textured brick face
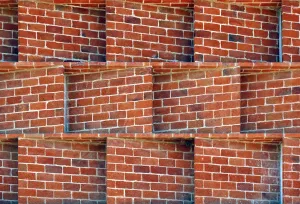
<point>61,171</point>
<point>139,32</point>
<point>53,32</point>
<point>9,34</point>
<point>197,101</point>
<point>111,101</point>
<point>8,172</point>
<point>290,31</point>
<point>291,165</point>
<point>32,101</point>
<point>270,102</point>
<point>236,172</point>
<point>141,171</point>
<point>230,33</point>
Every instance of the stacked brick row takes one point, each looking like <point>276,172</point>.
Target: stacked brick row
<point>130,31</point>
<point>165,127</point>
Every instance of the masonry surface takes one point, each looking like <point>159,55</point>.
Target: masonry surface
<point>149,101</point>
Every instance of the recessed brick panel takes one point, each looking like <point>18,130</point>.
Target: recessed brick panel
<point>55,32</point>
<point>8,34</point>
<point>142,171</point>
<point>197,101</point>
<point>8,172</point>
<point>143,33</point>
<point>32,101</point>
<point>61,171</point>
<point>270,102</point>
<point>236,172</point>
<point>114,101</point>
<point>226,32</point>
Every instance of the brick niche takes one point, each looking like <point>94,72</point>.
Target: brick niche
<point>236,172</point>
<point>32,101</point>
<point>270,102</point>
<point>228,32</point>
<point>148,33</point>
<point>145,171</point>
<point>62,171</point>
<point>197,101</point>
<point>113,101</point>
<point>61,32</point>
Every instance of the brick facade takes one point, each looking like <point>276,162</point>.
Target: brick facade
<point>149,101</point>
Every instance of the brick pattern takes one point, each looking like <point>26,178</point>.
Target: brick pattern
<point>291,165</point>
<point>8,34</point>
<point>54,32</point>
<point>290,31</point>
<point>236,172</point>
<point>197,101</point>
<point>141,171</point>
<point>32,101</point>
<point>8,172</point>
<point>61,172</point>
<point>270,102</point>
<point>228,32</point>
<point>115,101</point>
<point>139,32</point>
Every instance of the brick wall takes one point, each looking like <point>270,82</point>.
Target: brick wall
<point>139,32</point>
<point>8,172</point>
<point>236,172</point>
<point>111,101</point>
<point>61,171</point>
<point>290,31</point>
<point>270,102</point>
<point>54,32</point>
<point>9,34</point>
<point>144,171</point>
<point>197,101</point>
<point>32,101</point>
<point>235,33</point>
<point>291,160</point>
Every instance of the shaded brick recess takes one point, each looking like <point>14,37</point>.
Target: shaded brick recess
<point>32,101</point>
<point>61,171</point>
<point>291,165</point>
<point>150,171</point>
<point>235,33</point>
<point>9,172</point>
<point>115,101</point>
<point>54,32</point>
<point>236,172</point>
<point>143,33</point>
<point>9,34</point>
<point>197,101</point>
<point>270,102</point>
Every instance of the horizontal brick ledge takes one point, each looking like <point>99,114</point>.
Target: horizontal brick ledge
<point>164,136</point>
<point>75,67</point>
